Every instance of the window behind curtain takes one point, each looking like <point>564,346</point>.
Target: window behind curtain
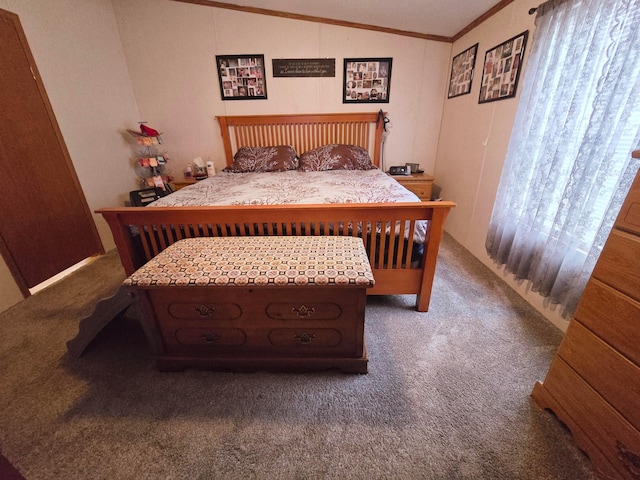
<point>568,165</point>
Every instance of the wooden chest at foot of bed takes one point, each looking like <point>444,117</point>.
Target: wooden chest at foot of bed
<point>257,303</point>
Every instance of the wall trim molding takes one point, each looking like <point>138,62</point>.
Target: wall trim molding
<point>489,13</point>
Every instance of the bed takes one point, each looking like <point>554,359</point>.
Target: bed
<point>401,234</point>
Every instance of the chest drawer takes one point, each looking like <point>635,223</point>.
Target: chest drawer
<point>316,341</point>
<point>303,311</point>
<point>613,376</point>
<point>619,263</point>
<point>612,316</point>
<point>203,342</point>
<point>212,337</point>
<point>204,311</point>
<point>179,305</point>
<point>307,338</point>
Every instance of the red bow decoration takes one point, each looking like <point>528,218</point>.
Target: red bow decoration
<point>147,131</point>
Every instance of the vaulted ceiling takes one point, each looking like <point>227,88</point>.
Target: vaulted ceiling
<point>438,19</point>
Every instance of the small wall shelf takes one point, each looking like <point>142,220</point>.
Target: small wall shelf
<point>151,163</point>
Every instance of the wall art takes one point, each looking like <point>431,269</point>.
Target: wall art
<point>502,65</point>
<point>242,77</point>
<point>366,80</point>
<point>462,68</point>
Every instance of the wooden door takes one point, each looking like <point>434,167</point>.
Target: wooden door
<point>45,222</point>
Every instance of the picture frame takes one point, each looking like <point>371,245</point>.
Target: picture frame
<point>501,71</point>
<point>242,77</point>
<point>462,68</point>
<point>366,80</point>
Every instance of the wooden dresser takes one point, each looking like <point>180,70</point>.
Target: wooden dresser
<point>419,183</point>
<point>593,384</point>
<point>257,303</point>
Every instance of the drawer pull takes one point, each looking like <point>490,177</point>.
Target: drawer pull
<point>305,338</point>
<point>204,311</point>
<point>210,337</point>
<point>630,460</point>
<point>303,311</point>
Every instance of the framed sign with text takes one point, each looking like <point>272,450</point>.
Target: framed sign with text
<point>304,67</point>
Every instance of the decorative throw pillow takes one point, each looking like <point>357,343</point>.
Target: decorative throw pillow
<point>336,157</point>
<point>264,159</point>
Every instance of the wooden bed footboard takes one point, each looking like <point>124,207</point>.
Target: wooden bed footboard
<point>141,233</point>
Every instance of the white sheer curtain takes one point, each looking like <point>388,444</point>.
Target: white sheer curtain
<point>568,165</point>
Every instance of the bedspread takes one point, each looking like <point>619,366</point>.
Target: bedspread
<point>294,187</point>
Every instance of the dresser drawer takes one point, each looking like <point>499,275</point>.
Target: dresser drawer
<point>420,183</point>
<point>422,190</point>
<point>613,376</point>
<point>619,263</point>
<point>616,438</point>
<point>629,216</point>
<point>612,316</point>
<point>630,220</point>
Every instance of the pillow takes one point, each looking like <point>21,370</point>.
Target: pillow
<point>335,157</point>
<point>264,159</point>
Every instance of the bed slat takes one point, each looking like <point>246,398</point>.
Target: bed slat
<point>377,234</point>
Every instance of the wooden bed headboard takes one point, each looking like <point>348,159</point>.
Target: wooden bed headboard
<point>303,131</point>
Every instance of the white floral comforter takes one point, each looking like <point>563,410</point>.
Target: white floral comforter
<point>294,187</point>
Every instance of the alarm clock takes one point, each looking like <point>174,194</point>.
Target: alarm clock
<point>400,170</point>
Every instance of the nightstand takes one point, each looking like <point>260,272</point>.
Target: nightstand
<point>178,184</point>
<point>418,183</point>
